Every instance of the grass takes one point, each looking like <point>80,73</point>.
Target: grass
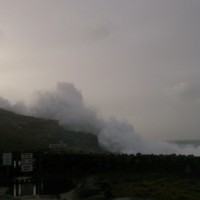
<point>155,186</point>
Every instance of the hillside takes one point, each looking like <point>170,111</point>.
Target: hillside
<point>18,132</point>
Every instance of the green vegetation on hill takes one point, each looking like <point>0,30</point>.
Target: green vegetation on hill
<point>18,132</point>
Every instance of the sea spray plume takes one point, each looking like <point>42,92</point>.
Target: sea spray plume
<point>120,136</point>
<point>18,107</point>
<point>4,103</point>
<point>66,105</point>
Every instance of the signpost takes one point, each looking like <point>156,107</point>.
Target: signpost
<point>7,159</point>
<point>26,162</point>
<point>7,162</point>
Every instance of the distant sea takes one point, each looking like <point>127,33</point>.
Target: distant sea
<point>182,143</point>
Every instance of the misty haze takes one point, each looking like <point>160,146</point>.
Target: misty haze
<point>99,99</point>
<point>66,105</point>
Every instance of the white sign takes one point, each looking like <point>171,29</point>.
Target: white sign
<point>7,159</point>
<point>26,162</point>
<point>26,156</point>
<point>27,168</point>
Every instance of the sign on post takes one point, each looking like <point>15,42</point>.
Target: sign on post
<point>7,159</point>
<point>26,162</point>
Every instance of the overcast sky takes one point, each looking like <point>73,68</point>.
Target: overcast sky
<point>132,59</point>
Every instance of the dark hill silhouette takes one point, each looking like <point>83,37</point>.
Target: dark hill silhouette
<point>18,132</point>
